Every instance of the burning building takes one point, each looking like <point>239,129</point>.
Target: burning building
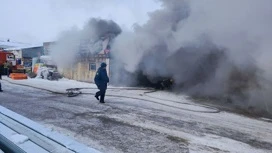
<point>88,62</point>
<point>79,53</point>
<point>207,49</point>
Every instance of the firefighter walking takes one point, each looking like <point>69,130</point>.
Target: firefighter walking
<point>101,80</point>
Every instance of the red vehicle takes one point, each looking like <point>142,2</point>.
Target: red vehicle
<point>10,57</point>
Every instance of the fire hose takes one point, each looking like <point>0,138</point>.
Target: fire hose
<point>72,92</point>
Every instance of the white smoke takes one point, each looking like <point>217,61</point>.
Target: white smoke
<point>64,51</point>
<point>204,44</point>
<point>75,43</point>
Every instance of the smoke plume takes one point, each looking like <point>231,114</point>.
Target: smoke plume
<point>74,43</point>
<point>210,48</point>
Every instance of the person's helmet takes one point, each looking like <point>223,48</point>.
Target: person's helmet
<point>103,64</point>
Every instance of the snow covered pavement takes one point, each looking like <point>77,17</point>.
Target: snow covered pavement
<point>136,121</point>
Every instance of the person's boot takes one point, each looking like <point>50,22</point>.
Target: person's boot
<point>102,98</point>
<point>97,94</point>
<point>1,90</point>
<point>97,97</point>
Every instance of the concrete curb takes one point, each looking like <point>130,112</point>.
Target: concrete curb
<point>53,135</point>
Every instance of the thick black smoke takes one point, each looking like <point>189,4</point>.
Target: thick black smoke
<point>210,48</point>
<point>98,28</point>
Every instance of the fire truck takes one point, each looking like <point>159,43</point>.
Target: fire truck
<point>10,57</point>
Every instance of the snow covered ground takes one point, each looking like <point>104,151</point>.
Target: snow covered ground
<point>199,128</point>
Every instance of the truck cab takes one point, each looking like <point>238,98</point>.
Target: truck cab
<point>10,57</point>
<point>6,56</point>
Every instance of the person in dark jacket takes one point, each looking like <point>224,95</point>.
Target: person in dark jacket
<point>101,80</point>
<point>1,71</point>
<point>9,68</point>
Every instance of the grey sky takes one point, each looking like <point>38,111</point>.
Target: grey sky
<point>36,21</point>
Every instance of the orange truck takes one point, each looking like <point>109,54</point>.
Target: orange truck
<point>10,57</point>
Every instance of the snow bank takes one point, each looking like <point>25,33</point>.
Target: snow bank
<point>59,86</point>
